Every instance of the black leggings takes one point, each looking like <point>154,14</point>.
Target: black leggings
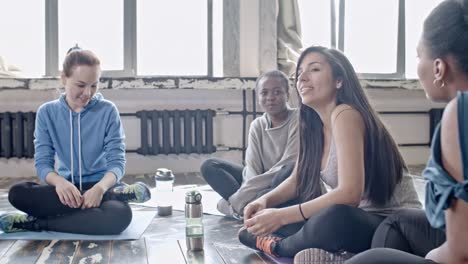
<point>223,176</point>
<point>408,230</point>
<point>226,177</point>
<point>387,256</point>
<point>42,202</point>
<point>336,228</point>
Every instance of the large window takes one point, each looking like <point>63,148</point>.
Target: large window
<point>379,37</point>
<point>174,37</point>
<point>131,37</point>
<point>102,36</point>
<point>22,41</point>
<point>316,15</point>
<point>417,11</point>
<point>371,35</point>
<point>185,37</point>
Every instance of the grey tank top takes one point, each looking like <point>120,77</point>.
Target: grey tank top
<point>404,196</point>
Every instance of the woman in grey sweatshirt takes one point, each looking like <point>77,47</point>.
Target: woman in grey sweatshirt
<point>271,151</point>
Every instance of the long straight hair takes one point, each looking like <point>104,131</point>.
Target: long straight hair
<point>383,163</point>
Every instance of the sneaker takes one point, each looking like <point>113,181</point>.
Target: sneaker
<point>260,243</point>
<point>320,256</point>
<point>17,222</point>
<point>134,193</point>
<point>224,207</point>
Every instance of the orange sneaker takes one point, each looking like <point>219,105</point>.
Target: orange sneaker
<point>260,243</point>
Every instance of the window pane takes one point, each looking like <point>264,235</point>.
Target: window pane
<point>93,25</point>
<point>172,37</point>
<point>315,22</point>
<point>22,32</point>
<point>370,40</point>
<point>416,12</point>
<point>218,38</point>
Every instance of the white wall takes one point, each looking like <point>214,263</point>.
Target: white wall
<point>224,94</point>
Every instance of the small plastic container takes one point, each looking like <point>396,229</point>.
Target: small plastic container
<point>164,179</point>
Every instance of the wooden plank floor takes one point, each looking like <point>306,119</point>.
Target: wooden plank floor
<point>162,242</point>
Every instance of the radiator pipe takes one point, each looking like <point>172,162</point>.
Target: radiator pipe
<point>244,123</point>
<point>254,104</point>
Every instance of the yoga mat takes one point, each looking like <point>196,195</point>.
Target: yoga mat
<point>140,221</point>
<point>210,199</point>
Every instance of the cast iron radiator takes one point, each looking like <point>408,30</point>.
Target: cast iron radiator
<point>17,134</point>
<point>176,131</point>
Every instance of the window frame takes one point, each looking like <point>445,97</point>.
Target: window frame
<point>337,40</point>
<point>129,38</point>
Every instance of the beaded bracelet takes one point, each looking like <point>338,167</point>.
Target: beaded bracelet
<point>302,213</point>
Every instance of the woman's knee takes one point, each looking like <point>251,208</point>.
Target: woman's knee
<point>208,166</point>
<point>18,193</point>
<point>403,218</point>
<point>118,216</point>
<point>330,218</point>
<point>393,228</point>
<point>337,211</point>
<point>282,174</point>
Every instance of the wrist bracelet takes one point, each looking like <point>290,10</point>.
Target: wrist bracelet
<point>302,213</point>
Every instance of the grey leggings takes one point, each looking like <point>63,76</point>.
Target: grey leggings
<point>42,202</point>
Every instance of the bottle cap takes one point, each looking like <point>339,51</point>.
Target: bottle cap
<point>193,197</point>
<point>163,174</point>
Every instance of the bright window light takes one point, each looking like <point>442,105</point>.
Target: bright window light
<point>315,22</point>
<point>93,25</point>
<point>22,32</point>
<point>172,37</point>
<point>416,13</point>
<point>371,29</point>
<point>218,38</point>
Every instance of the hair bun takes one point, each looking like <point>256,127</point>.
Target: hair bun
<point>74,48</point>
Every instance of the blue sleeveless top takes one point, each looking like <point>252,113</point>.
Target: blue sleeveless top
<point>442,189</point>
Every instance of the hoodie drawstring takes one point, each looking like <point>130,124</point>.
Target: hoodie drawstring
<point>71,147</point>
<point>79,149</point>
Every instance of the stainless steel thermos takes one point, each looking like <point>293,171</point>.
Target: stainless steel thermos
<point>193,220</point>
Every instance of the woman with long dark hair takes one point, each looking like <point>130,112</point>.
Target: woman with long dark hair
<point>343,144</point>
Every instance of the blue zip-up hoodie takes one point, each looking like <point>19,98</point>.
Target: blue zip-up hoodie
<point>88,144</point>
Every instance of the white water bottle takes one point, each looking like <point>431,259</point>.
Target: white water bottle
<point>164,190</point>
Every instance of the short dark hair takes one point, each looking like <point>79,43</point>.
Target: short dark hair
<point>445,32</point>
<point>274,74</point>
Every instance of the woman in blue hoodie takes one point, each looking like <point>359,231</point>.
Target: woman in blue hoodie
<point>84,132</point>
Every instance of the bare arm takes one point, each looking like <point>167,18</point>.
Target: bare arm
<point>348,132</point>
<point>454,250</point>
<point>282,193</point>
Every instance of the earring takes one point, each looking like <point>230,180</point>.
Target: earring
<point>435,83</point>
<point>338,86</point>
